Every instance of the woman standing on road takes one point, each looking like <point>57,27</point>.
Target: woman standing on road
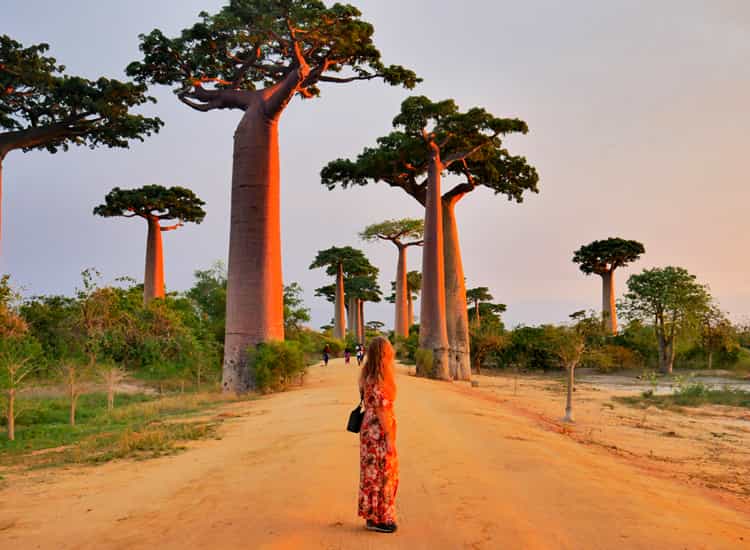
<point>378,461</point>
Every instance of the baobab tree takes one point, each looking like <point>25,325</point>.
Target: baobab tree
<point>358,290</point>
<point>255,56</point>
<point>413,288</point>
<point>403,234</point>
<point>343,263</point>
<point>672,299</point>
<point>433,138</point>
<point>477,295</point>
<point>603,258</point>
<point>41,107</point>
<point>156,205</point>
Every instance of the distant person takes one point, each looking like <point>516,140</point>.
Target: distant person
<point>378,461</point>
<point>326,354</point>
<point>360,354</point>
<point>347,356</point>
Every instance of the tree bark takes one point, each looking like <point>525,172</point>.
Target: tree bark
<point>710,360</point>
<point>433,333</point>
<point>339,314</point>
<point>457,315</point>
<point>401,324</point>
<point>666,353</point>
<point>476,313</point>
<point>255,307</point>
<point>609,310</point>
<point>361,321</point>
<point>12,414</point>
<point>153,280</point>
<point>351,314</point>
<point>410,308</point>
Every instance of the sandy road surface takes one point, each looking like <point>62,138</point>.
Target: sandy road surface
<point>474,474</point>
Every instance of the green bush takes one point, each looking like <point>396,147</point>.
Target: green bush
<point>274,365</point>
<point>611,357</point>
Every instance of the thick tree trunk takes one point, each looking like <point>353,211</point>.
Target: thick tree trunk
<point>401,325</point>
<point>12,414</point>
<point>410,307</point>
<point>569,400</point>
<point>351,314</point>
<point>255,307</point>
<point>339,314</point>
<point>153,280</point>
<point>361,321</point>
<point>457,314</point>
<point>433,333</point>
<point>666,354</point>
<point>609,310</point>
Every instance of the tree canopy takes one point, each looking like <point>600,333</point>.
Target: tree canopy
<point>471,145</point>
<point>479,294</point>
<point>41,107</point>
<point>606,255</point>
<point>249,45</point>
<point>353,262</point>
<point>153,201</point>
<point>413,283</point>
<point>403,232</point>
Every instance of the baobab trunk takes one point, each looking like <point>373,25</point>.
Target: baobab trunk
<point>609,310</point>
<point>255,308</point>
<point>339,315</point>
<point>410,308</point>
<point>569,400</point>
<point>666,355</point>
<point>457,315</point>
<point>153,280</point>
<point>401,325</point>
<point>351,314</point>
<point>361,321</point>
<point>433,333</point>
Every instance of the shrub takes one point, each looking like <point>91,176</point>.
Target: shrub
<point>612,357</point>
<point>273,365</point>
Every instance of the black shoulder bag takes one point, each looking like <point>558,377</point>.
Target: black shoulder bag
<point>356,416</point>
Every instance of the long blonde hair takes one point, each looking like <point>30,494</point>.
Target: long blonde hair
<point>379,368</point>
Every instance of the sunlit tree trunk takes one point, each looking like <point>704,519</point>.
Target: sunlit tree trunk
<point>410,307</point>
<point>339,317</point>
<point>153,280</point>
<point>433,333</point>
<point>457,315</point>
<point>609,310</point>
<point>255,310</point>
<point>401,325</point>
<point>569,400</point>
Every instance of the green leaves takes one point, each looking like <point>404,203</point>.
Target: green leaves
<point>607,255</point>
<point>396,231</point>
<point>43,108</point>
<point>253,44</point>
<point>360,276</point>
<point>174,203</point>
<point>470,144</point>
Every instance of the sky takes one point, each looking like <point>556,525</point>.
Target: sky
<point>638,116</point>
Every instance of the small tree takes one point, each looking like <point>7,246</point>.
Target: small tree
<point>403,234</point>
<point>17,363</point>
<point>672,299</point>
<point>155,204</point>
<point>568,345</point>
<point>294,311</point>
<point>603,258</point>
<point>716,333</point>
<point>111,375</point>
<point>477,295</point>
<point>485,341</point>
<point>43,108</point>
<point>73,373</point>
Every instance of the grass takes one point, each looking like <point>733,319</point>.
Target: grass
<point>140,426</point>
<point>696,394</point>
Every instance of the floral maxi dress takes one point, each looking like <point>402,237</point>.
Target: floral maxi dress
<point>378,469</point>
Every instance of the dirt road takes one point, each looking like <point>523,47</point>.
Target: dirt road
<point>475,473</point>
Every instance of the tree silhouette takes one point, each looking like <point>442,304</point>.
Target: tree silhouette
<point>403,234</point>
<point>41,107</point>
<point>155,204</point>
<point>603,258</point>
<point>255,56</point>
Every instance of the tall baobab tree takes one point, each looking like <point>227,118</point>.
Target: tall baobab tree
<point>255,56</point>
<point>343,263</point>
<point>603,258</point>
<point>156,205</point>
<point>477,295</point>
<point>358,289</point>
<point>413,288</point>
<point>403,234</point>
<point>41,107</point>
<point>432,138</point>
